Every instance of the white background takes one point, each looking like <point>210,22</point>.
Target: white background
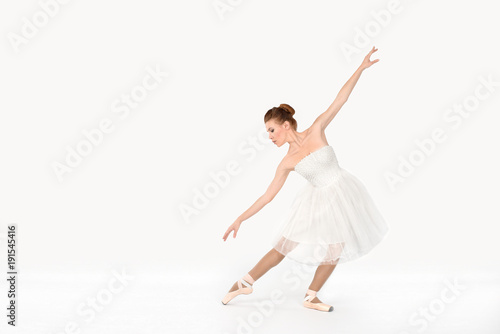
<point>122,206</point>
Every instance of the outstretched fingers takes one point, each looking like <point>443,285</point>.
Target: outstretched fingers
<point>367,62</point>
<point>229,232</point>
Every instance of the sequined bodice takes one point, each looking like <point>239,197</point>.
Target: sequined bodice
<point>320,167</point>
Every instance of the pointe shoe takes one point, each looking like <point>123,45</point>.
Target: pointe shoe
<point>311,294</point>
<point>246,280</point>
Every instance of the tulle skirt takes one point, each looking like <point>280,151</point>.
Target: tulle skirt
<point>331,224</point>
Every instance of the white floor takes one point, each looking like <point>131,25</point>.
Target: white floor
<point>366,300</point>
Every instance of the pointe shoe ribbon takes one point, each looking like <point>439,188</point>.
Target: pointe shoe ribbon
<point>246,280</point>
<point>311,294</point>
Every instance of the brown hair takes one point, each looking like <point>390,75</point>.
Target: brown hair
<point>281,114</point>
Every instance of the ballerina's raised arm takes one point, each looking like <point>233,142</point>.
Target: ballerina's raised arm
<point>326,117</point>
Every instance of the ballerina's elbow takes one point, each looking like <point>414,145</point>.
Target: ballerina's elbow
<point>266,199</point>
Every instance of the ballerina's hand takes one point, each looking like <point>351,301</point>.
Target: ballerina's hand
<point>234,227</point>
<point>367,62</point>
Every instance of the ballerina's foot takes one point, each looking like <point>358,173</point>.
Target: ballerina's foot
<point>238,288</point>
<point>314,300</point>
<point>235,287</point>
<point>315,303</point>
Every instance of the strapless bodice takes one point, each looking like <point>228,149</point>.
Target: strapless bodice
<point>320,167</point>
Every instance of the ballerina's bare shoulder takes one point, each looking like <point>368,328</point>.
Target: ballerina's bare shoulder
<point>312,141</point>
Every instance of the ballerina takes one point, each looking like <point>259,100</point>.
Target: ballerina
<point>333,219</point>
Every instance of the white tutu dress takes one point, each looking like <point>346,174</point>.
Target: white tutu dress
<point>332,219</point>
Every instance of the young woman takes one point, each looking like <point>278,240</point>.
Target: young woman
<point>332,219</point>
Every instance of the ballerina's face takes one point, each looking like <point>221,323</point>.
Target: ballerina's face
<point>276,132</point>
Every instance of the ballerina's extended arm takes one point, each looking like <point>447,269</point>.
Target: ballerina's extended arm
<point>275,186</point>
<point>326,117</point>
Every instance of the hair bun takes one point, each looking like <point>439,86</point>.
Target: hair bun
<point>287,108</point>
